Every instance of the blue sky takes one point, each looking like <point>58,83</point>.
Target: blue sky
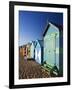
<point>32,24</point>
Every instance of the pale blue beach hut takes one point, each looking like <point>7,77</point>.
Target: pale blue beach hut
<point>39,51</point>
<point>53,47</point>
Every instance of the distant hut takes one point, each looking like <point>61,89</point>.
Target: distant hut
<point>20,51</point>
<point>29,50</point>
<point>39,51</point>
<point>32,49</point>
<point>25,51</point>
<point>53,47</point>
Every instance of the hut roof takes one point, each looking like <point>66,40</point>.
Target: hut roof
<point>40,42</point>
<point>33,42</point>
<point>53,24</point>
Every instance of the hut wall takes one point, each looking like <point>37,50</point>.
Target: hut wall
<point>24,51</point>
<point>49,46</point>
<point>28,51</point>
<point>32,51</point>
<point>21,51</point>
<point>38,53</point>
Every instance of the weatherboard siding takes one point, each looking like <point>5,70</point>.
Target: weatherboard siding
<point>49,46</point>
<point>38,52</point>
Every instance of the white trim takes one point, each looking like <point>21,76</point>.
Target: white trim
<point>54,26</point>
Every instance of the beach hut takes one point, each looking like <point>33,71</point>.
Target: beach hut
<point>53,47</point>
<point>32,49</point>
<point>39,51</point>
<point>24,50</point>
<point>20,51</point>
<point>28,50</point>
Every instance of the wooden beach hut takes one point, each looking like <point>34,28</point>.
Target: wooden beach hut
<point>20,51</point>
<point>53,47</point>
<point>25,51</point>
<point>28,50</point>
<point>39,51</point>
<point>32,49</point>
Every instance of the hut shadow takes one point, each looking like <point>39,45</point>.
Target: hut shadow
<point>61,54</point>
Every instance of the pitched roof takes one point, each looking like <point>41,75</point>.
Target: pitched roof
<point>33,42</point>
<point>40,42</point>
<point>57,26</point>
